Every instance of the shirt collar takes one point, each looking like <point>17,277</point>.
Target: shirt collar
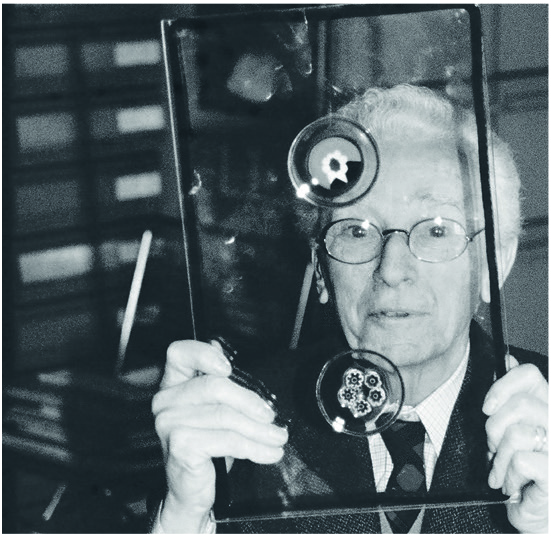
<point>435,410</point>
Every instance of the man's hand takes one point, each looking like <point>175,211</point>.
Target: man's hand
<point>201,414</point>
<point>517,407</point>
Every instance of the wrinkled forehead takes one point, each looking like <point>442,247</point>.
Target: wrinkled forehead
<point>423,163</point>
<point>435,154</point>
<point>429,173</point>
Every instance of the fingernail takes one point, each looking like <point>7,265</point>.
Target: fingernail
<point>265,412</point>
<point>277,454</point>
<point>222,363</point>
<point>510,362</point>
<point>489,406</point>
<point>278,433</point>
<point>280,453</point>
<point>492,479</point>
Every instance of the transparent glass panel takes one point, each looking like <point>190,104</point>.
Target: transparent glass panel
<point>285,122</point>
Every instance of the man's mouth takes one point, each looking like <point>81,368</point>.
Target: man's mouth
<point>394,314</point>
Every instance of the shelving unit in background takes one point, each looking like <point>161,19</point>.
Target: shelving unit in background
<point>87,169</point>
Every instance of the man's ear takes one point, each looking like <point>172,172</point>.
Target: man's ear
<point>321,287</point>
<point>506,258</point>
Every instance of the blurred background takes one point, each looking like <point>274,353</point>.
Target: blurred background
<point>88,167</point>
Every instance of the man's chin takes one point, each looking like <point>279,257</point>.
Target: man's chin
<point>402,352</point>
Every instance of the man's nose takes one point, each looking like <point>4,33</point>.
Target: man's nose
<point>396,260</point>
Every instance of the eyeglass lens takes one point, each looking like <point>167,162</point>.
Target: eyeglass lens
<point>356,241</point>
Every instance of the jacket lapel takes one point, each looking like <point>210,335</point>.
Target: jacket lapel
<point>462,464</point>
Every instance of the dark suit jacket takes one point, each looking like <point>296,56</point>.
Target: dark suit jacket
<point>462,464</point>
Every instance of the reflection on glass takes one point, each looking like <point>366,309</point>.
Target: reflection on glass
<point>253,88</point>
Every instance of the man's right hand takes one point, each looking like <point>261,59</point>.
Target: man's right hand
<point>201,414</point>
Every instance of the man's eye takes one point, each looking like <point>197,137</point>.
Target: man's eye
<point>438,231</point>
<point>356,231</point>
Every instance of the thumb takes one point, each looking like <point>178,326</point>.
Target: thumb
<point>510,362</point>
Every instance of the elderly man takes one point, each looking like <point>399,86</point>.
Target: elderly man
<point>404,269</point>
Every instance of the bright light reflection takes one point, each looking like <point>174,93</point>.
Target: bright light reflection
<point>230,241</point>
<point>303,191</point>
<point>365,224</point>
<point>438,220</point>
<point>314,181</point>
<point>338,424</point>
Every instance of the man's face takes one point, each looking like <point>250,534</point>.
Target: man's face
<point>412,311</point>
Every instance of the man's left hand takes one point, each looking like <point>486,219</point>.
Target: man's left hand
<point>517,409</point>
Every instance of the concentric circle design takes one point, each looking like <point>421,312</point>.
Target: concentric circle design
<point>333,162</point>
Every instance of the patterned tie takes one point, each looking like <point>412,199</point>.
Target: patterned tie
<point>405,443</point>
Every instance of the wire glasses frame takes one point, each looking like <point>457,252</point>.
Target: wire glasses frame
<point>357,241</point>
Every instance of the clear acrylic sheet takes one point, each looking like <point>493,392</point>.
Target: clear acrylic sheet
<point>250,96</point>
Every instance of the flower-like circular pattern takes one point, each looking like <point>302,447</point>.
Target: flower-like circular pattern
<point>354,378</point>
<point>377,396</point>
<point>361,408</point>
<point>347,396</point>
<point>348,408</point>
<point>334,166</point>
<point>361,391</point>
<point>372,379</point>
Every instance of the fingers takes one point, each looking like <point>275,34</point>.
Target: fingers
<point>185,358</point>
<point>511,362</point>
<point>226,418</point>
<point>219,417</point>
<point>210,390</point>
<point>210,415</point>
<point>527,468</point>
<point>517,438</point>
<point>193,447</point>
<point>519,409</point>
<point>201,414</point>
<point>521,471</point>
<point>528,479</point>
<point>521,379</point>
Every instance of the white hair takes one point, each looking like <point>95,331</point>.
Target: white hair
<point>422,113</point>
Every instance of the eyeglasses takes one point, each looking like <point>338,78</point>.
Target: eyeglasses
<point>356,241</point>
